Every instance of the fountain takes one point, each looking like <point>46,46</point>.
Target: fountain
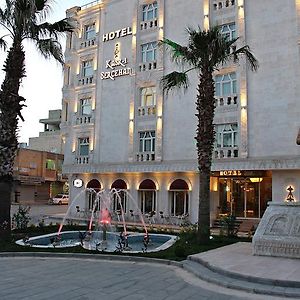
<point>106,229</point>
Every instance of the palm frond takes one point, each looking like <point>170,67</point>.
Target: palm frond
<point>174,80</point>
<point>179,54</point>
<point>52,30</point>
<point>50,48</point>
<point>250,58</point>
<point>3,44</point>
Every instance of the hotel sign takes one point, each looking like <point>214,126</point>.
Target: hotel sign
<point>117,66</point>
<point>113,72</point>
<point>231,173</point>
<point>116,34</point>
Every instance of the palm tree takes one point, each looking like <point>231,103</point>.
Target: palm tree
<point>205,52</point>
<point>22,20</point>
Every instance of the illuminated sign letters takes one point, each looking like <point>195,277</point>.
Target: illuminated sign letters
<point>117,34</point>
<point>231,173</point>
<point>116,62</point>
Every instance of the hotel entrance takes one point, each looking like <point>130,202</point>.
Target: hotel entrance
<point>244,194</point>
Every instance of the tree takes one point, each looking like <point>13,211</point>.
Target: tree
<point>205,52</point>
<point>22,20</point>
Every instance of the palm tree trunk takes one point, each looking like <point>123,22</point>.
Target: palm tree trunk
<point>205,139</point>
<point>10,109</point>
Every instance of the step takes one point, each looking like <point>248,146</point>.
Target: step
<point>242,284</point>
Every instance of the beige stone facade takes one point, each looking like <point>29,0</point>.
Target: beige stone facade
<point>117,125</point>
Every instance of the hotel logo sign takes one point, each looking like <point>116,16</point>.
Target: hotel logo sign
<point>117,34</point>
<point>117,66</point>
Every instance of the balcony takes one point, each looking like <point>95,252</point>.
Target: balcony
<point>150,24</point>
<point>85,80</point>
<point>147,66</point>
<point>81,120</point>
<point>218,5</point>
<point>147,110</point>
<point>145,156</point>
<point>226,152</point>
<point>82,160</point>
<point>226,101</point>
<point>88,43</point>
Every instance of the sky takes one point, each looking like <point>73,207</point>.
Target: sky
<point>42,87</point>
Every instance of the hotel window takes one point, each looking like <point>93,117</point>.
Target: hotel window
<point>147,196</point>
<point>179,203</point>
<point>89,31</point>
<point>148,96</point>
<point>149,52</point>
<point>87,68</point>
<point>83,146</point>
<point>85,106</point>
<point>147,201</point>
<point>225,84</point>
<point>150,11</point>
<point>226,135</point>
<point>147,141</point>
<point>179,198</point>
<point>229,31</point>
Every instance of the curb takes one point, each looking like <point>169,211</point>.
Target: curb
<point>99,256</point>
<point>254,279</point>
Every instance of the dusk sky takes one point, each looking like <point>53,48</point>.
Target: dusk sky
<point>43,83</point>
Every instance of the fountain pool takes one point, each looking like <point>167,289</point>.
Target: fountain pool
<point>106,220</point>
<point>134,243</point>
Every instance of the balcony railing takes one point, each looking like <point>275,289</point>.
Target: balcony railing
<point>149,24</point>
<point>145,156</point>
<point>88,43</point>
<point>147,66</point>
<point>147,110</point>
<point>217,5</point>
<point>226,152</point>
<point>82,160</point>
<point>88,119</point>
<point>226,101</point>
<point>86,80</point>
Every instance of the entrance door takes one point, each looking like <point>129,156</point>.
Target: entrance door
<point>243,196</point>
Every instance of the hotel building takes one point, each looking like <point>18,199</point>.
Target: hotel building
<point>120,131</point>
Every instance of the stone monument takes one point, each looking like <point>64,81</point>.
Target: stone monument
<point>278,233</point>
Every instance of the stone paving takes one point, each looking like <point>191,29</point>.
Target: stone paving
<point>36,278</point>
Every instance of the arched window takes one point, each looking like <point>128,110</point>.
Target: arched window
<point>95,187</point>
<point>119,203</point>
<point>179,198</point>
<point>147,196</point>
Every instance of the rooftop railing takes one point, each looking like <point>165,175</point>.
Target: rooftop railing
<point>90,4</point>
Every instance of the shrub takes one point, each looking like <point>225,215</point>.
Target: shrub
<point>180,250</point>
<point>21,217</point>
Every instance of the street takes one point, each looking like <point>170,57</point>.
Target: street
<point>39,212</point>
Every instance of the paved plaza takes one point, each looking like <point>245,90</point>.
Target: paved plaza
<point>39,278</point>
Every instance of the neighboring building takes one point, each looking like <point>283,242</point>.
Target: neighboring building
<point>50,139</point>
<point>120,131</point>
<point>37,176</point>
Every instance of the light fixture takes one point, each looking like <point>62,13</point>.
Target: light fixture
<point>290,197</point>
<point>78,183</point>
<point>256,179</point>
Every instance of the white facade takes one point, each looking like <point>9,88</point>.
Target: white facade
<point>116,123</point>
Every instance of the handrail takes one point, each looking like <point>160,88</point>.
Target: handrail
<point>90,4</point>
